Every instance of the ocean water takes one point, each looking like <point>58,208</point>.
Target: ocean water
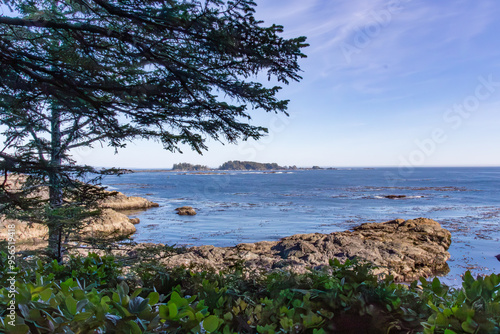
<point>235,207</point>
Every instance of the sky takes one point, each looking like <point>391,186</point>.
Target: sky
<point>406,83</point>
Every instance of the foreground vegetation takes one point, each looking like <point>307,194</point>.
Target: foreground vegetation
<point>92,295</point>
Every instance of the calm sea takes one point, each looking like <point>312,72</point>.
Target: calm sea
<point>235,207</point>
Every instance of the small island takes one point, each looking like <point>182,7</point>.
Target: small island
<point>250,165</point>
<point>183,166</point>
<point>232,165</point>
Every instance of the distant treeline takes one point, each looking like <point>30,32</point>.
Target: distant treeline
<point>249,165</point>
<point>186,166</point>
<point>233,165</point>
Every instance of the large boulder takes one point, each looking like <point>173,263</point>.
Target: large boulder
<point>186,211</point>
<point>406,249</point>
<point>110,224</point>
<point>115,200</point>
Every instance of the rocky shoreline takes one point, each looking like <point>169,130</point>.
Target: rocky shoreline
<point>111,224</point>
<point>406,249</point>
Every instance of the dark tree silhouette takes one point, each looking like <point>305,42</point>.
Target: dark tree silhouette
<point>79,72</point>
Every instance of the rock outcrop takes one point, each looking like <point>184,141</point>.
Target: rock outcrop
<point>395,196</point>
<point>123,202</point>
<point>186,211</point>
<point>406,249</point>
<point>110,224</point>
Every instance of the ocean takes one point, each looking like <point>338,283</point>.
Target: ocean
<point>236,206</point>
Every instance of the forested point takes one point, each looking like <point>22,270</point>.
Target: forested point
<point>189,167</point>
<point>232,165</point>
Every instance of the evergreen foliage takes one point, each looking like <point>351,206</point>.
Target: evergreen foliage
<point>189,167</point>
<point>249,165</point>
<point>341,298</point>
<point>79,73</point>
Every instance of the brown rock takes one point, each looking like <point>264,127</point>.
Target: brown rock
<point>118,201</point>
<point>109,224</point>
<point>135,221</point>
<point>186,211</point>
<point>123,202</point>
<point>395,196</point>
<point>406,249</point>
<point>25,232</point>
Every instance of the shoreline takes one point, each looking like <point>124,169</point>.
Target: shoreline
<point>405,249</point>
<point>474,242</point>
<point>458,261</point>
<point>458,200</point>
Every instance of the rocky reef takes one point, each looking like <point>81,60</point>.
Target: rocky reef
<point>406,249</point>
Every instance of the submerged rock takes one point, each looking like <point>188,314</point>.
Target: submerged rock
<point>406,249</point>
<point>186,211</point>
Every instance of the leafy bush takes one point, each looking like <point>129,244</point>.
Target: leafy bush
<point>473,309</point>
<point>67,307</point>
<point>341,298</point>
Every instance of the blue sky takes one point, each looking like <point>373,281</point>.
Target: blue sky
<point>386,83</point>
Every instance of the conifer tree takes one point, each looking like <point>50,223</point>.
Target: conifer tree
<point>76,73</point>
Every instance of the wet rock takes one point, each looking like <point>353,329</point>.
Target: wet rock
<point>186,211</point>
<point>406,249</point>
<point>395,196</point>
<point>135,221</point>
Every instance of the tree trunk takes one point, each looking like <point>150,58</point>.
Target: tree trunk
<point>55,186</point>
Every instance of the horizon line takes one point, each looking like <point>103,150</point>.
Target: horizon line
<point>323,166</point>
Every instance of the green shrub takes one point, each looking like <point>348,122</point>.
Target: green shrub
<point>473,309</point>
<point>340,298</point>
<point>100,270</point>
<point>67,307</point>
